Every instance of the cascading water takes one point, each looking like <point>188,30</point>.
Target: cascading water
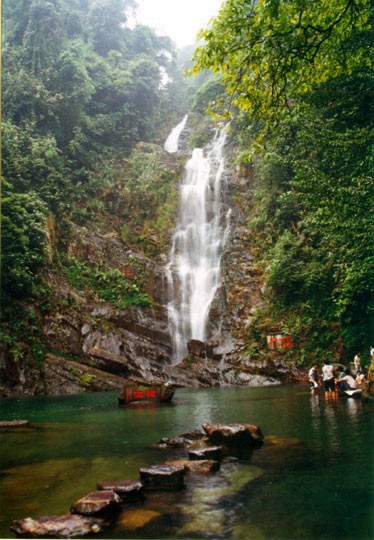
<point>171,143</point>
<point>194,270</point>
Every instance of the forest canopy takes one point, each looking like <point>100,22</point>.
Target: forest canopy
<point>300,83</point>
<point>81,86</point>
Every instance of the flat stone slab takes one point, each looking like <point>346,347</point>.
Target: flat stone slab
<point>238,437</point>
<point>163,477</point>
<point>96,502</point>
<point>128,490</point>
<point>210,452</point>
<point>14,423</point>
<point>203,466</point>
<point>68,526</point>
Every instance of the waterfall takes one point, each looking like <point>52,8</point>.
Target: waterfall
<point>171,143</point>
<point>194,270</point>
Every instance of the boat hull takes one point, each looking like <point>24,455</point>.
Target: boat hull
<point>162,393</point>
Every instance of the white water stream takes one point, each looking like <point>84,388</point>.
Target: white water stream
<point>171,143</point>
<point>194,270</point>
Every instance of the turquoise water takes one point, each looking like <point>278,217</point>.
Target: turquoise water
<point>313,478</point>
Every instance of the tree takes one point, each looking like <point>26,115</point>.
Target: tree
<point>106,21</point>
<point>304,68</point>
<point>271,52</point>
<point>23,242</point>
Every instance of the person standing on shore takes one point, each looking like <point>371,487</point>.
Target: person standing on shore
<point>357,362</point>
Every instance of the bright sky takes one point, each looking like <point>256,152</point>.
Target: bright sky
<point>178,19</point>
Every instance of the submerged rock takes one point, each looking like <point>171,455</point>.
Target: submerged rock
<point>136,518</point>
<point>163,477</point>
<point>68,526</point>
<point>97,502</point>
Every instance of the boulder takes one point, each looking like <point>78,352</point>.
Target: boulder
<point>97,502</point>
<point>68,526</point>
<point>128,490</point>
<point>203,466</point>
<point>163,477</point>
<point>237,439</point>
<point>197,348</point>
<point>209,452</point>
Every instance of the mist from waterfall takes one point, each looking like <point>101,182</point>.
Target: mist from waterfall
<point>194,269</point>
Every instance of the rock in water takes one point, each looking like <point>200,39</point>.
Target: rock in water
<point>68,526</point>
<point>201,466</point>
<point>97,502</point>
<point>128,490</point>
<point>209,452</point>
<point>163,477</point>
<point>237,439</point>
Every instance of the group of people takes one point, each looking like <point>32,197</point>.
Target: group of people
<point>333,384</point>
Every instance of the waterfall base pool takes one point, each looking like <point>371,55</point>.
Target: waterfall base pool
<point>313,478</point>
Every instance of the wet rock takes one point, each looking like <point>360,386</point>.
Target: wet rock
<point>97,502</point>
<point>163,477</point>
<point>237,439</point>
<point>203,466</point>
<point>68,526</point>
<point>128,490</point>
<point>186,440</point>
<point>14,423</point>
<point>197,348</point>
<point>210,452</point>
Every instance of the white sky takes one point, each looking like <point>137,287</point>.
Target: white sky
<point>178,19</point>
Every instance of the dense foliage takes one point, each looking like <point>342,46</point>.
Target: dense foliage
<point>80,88</point>
<point>300,82</point>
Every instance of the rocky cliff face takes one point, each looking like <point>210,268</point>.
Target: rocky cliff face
<point>93,345</point>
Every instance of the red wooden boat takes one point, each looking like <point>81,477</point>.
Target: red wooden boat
<point>139,390</point>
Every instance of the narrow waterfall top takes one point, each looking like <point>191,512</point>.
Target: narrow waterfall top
<point>171,143</point>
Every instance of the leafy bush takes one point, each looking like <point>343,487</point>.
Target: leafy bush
<point>109,285</point>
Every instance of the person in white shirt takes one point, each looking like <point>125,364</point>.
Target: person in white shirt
<point>346,381</point>
<point>357,362</point>
<point>328,377</point>
<point>313,378</point>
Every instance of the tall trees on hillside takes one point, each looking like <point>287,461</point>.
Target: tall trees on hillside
<point>79,88</point>
<point>300,76</point>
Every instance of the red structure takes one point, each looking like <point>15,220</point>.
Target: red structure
<point>142,391</point>
<point>279,341</point>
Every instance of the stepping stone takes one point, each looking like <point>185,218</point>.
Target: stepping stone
<point>68,526</point>
<point>236,439</point>
<point>203,466</point>
<point>163,477</point>
<point>13,423</point>
<point>210,452</point>
<point>128,490</point>
<point>96,503</point>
